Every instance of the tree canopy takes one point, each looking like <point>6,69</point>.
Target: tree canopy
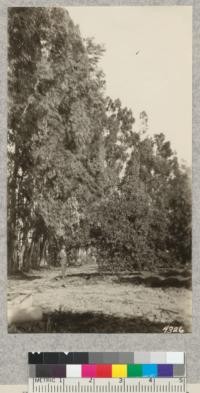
<point>79,170</point>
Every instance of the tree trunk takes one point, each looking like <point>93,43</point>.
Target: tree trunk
<point>28,257</point>
<point>12,223</point>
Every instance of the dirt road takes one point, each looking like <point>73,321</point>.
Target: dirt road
<point>108,303</point>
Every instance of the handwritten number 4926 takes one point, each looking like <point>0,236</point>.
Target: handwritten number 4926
<point>173,329</point>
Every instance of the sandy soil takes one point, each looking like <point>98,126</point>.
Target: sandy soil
<point>85,291</point>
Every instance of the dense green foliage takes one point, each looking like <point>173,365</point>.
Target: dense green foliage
<point>78,170</point>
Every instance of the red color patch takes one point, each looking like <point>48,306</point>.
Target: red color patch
<point>104,371</point>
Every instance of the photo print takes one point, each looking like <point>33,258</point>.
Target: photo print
<point>99,169</point>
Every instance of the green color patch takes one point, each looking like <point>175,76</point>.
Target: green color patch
<point>134,370</point>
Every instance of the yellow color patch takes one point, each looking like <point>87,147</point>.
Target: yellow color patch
<point>119,370</point>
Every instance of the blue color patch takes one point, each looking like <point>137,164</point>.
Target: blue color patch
<point>149,370</point>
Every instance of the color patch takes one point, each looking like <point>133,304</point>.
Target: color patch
<point>119,371</point>
<point>50,371</point>
<point>175,357</point>
<point>134,370</point>
<point>89,371</point>
<point>51,358</point>
<point>96,358</point>
<point>32,371</point>
<point>165,370</point>
<point>179,370</point>
<point>66,358</point>
<point>126,358</point>
<point>142,357</point>
<point>149,370</point>
<point>103,371</point>
<point>35,357</point>
<point>158,357</point>
<point>80,357</point>
<point>74,370</point>
<point>110,358</point>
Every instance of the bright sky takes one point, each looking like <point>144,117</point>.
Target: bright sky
<point>158,79</point>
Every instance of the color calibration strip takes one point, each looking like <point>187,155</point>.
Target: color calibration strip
<point>106,371</point>
<point>109,367</point>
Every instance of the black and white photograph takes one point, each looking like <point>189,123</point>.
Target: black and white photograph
<point>99,169</point>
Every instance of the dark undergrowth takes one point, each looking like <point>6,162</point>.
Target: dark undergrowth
<point>157,282</point>
<point>24,276</point>
<point>88,322</point>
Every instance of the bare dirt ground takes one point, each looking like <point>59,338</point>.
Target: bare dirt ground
<point>86,301</point>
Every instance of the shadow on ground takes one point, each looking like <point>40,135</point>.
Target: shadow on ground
<point>70,322</point>
<point>157,282</point>
<point>24,276</point>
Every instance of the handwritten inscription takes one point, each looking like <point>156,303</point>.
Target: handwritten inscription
<point>173,329</point>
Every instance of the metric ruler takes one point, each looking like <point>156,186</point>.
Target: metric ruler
<point>107,385</point>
